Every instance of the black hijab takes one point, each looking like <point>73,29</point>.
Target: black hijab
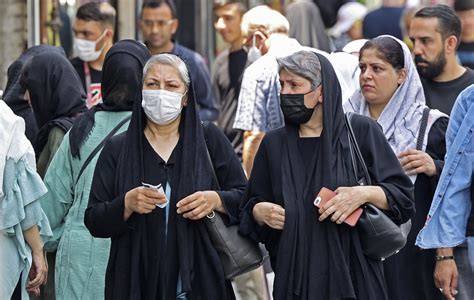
<point>121,86</point>
<point>140,262</point>
<point>310,238</point>
<point>14,93</point>
<point>56,93</point>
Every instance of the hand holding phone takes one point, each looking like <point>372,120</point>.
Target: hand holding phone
<point>325,195</point>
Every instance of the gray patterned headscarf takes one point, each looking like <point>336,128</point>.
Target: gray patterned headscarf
<point>401,117</point>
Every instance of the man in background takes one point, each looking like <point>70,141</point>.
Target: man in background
<point>158,24</point>
<point>229,67</point>
<point>93,29</point>
<point>435,32</point>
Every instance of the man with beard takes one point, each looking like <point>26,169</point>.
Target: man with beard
<point>435,32</point>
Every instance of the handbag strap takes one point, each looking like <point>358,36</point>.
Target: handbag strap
<point>214,176</point>
<point>101,144</point>
<point>423,125</point>
<point>356,156</point>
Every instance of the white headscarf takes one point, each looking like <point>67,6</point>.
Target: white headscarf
<point>347,70</point>
<point>401,117</point>
<point>13,142</point>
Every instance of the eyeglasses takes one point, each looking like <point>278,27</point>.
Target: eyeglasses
<point>159,23</point>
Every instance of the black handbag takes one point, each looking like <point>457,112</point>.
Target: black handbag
<point>238,254</point>
<point>380,237</point>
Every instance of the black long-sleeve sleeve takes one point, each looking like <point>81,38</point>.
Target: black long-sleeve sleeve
<point>436,146</point>
<point>104,214</point>
<point>264,186</point>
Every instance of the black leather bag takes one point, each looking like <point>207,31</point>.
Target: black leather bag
<point>238,254</point>
<point>380,237</point>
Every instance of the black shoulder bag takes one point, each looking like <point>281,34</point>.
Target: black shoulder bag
<point>380,237</point>
<point>238,254</point>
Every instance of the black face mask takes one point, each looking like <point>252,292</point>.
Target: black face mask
<point>294,110</point>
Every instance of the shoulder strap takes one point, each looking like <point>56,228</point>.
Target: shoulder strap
<point>423,125</point>
<point>101,144</point>
<point>214,176</point>
<point>356,156</point>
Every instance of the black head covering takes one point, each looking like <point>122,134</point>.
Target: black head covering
<point>143,266</point>
<point>14,92</point>
<point>56,93</point>
<point>121,86</point>
<point>311,238</point>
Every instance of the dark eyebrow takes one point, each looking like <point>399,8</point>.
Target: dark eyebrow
<point>420,37</point>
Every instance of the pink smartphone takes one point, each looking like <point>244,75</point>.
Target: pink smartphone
<point>325,195</point>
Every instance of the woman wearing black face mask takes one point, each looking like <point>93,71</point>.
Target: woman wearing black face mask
<point>319,257</point>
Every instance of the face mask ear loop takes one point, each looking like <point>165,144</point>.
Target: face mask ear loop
<point>101,36</point>
<point>99,39</point>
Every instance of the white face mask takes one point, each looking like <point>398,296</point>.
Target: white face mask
<point>85,49</point>
<point>253,53</point>
<point>162,106</point>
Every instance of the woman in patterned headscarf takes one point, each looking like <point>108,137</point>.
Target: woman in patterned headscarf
<point>391,93</point>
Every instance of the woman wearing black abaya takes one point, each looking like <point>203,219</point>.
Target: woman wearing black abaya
<point>14,94</point>
<point>55,93</point>
<point>319,257</point>
<point>160,246</point>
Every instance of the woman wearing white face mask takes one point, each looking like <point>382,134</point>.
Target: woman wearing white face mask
<point>160,246</point>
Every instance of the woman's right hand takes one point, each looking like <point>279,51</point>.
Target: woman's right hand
<point>142,200</point>
<point>269,213</point>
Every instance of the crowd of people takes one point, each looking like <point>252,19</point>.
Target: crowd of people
<point>111,161</point>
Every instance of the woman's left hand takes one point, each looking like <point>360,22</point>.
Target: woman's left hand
<point>198,205</point>
<point>341,206</point>
<point>416,162</point>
